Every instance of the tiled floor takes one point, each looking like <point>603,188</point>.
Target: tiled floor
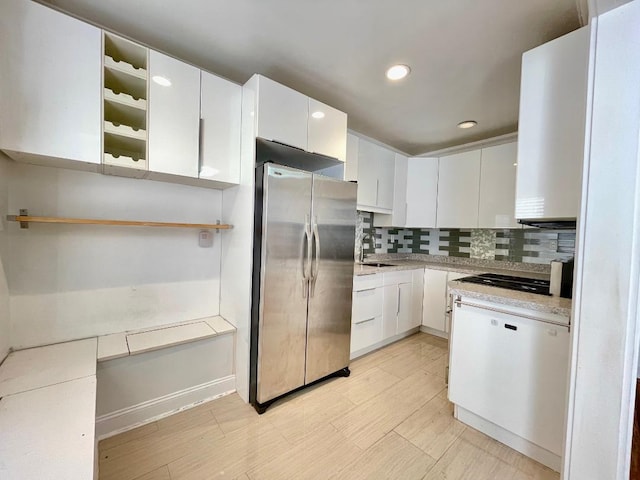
<point>390,419</point>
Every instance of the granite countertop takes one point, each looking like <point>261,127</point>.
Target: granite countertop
<point>540,303</point>
<point>530,301</point>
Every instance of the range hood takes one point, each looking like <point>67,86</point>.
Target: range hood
<point>550,224</point>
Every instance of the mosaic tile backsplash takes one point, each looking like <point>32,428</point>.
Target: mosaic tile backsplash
<point>515,245</point>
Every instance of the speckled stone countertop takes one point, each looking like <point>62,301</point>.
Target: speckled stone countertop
<point>471,266</point>
<point>530,301</point>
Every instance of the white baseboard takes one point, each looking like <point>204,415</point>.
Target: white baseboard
<point>128,418</point>
<point>433,331</point>
<point>383,343</point>
<point>510,439</point>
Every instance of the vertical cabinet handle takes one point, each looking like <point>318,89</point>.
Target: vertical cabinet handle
<point>200,140</point>
<point>398,312</point>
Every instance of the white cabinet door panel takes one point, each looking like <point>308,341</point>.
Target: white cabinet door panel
<point>458,190</point>
<point>405,308</point>
<point>220,113</point>
<point>422,192</point>
<point>282,113</point>
<point>434,302</point>
<point>398,215</point>
<point>511,372</point>
<point>498,187</point>
<point>390,311</point>
<point>351,165</point>
<point>368,181</point>
<point>386,178</point>
<point>174,117</point>
<point>327,130</point>
<point>553,93</point>
<point>417,294</point>
<point>50,83</point>
<point>366,304</point>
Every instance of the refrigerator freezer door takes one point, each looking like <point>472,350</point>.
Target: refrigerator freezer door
<point>283,302</point>
<point>329,325</point>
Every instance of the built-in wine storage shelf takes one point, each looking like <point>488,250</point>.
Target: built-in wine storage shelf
<point>125,90</point>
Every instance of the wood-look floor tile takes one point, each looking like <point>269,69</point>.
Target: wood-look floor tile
<point>128,436</point>
<point>361,388</point>
<point>438,367</point>
<point>432,428</point>
<point>230,456</point>
<point>464,461</point>
<point>391,457</point>
<point>370,421</point>
<point>523,463</point>
<point>232,413</point>
<point>297,417</point>
<point>173,439</point>
<point>403,365</point>
<point>161,473</point>
<point>319,456</point>
<point>244,476</point>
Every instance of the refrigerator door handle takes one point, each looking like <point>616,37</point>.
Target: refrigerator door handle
<point>306,256</point>
<point>315,262</point>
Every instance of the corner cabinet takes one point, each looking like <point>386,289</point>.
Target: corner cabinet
<point>50,78</point>
<point>376,176</point>
<point>422,192</point>
<point>398,216</point>
<point>290,117</point>
<point>458,190</point>
<point>496,206</point>
<point>553,93</point>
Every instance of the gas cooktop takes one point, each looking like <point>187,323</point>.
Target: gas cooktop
<point>528,285</point>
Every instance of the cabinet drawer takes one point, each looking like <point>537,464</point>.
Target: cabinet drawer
<point>366,304</point>
<point>365,333</point>
<point>364,282</point>
<point>395,278</point>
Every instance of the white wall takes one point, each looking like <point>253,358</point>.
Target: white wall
<point>5,342</point>
<point>73,281</point>
<point>605,313</point>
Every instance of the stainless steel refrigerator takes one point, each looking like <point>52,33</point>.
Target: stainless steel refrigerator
<point>302,281</point>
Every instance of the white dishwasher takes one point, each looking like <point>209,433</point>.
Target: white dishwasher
<point>509,367</point>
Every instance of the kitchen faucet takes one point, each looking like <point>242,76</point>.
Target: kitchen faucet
<point>365,236</point>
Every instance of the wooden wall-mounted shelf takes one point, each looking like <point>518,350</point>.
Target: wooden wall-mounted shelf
<point>26,219</point>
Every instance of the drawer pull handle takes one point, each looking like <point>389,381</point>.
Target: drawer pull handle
<point>366,290</point>
<point>510,327</point>
<point>365,321</point>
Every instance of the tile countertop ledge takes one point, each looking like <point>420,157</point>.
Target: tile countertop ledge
<point>530,301</point>
<point>452,264</point>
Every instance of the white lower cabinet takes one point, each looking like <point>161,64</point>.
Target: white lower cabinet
<point>512,371</point>
<point>435,300</point>
<point>385,305</point>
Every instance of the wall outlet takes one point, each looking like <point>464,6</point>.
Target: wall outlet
<point>553,245</point>
<point>205,239</point>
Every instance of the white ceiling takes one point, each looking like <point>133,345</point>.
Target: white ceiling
<point>464,54</point>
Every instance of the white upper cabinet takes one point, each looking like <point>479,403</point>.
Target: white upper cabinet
<point>351,163</point>
<point>174,116</point>
<point>398,215</point>
<point>50,78</point>
<point>458,190</point>
<point>496,207</point>
<point>327,130</point>
<point>282,113</point>
<point>376,172</point>
<point>553,93</point>
<point>422,192</point>
<point>220,113</point>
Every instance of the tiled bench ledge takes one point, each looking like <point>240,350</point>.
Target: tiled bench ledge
<point>47,412</point>
<point>120,345</point>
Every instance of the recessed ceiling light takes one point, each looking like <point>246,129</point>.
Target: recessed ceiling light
<point>398,72</point>
<point>318,114</point>
<point>467,124</point>
<point>160,80</point>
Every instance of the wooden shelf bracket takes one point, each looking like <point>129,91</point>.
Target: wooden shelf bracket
<point>25,219</point>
